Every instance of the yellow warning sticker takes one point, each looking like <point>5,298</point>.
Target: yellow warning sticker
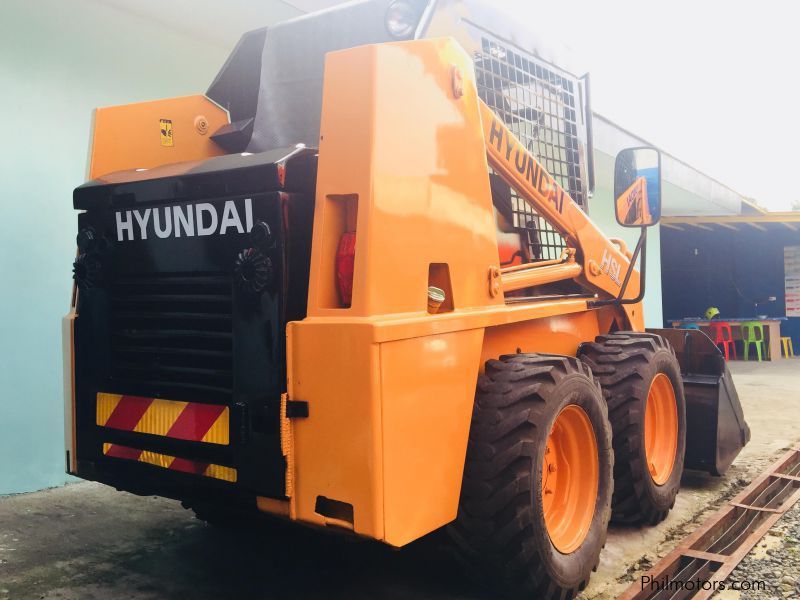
<point>166,132</point>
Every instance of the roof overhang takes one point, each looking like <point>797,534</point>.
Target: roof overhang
<point>770,221</point>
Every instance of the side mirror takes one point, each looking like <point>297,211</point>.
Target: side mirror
<point>637,187</point>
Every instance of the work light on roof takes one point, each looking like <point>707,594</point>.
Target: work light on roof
<point>401,18</point>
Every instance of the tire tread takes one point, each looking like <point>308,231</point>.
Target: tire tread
<point>494,528</point>
<point>617,360</point>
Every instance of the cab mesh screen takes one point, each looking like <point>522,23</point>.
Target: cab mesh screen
<point>540,107</point>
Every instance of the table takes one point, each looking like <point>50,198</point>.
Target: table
<point>772,332</point>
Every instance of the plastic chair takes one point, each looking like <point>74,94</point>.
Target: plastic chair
<point>788,350</point>
<point>753,333</point>
<point>723,336</point>
<point>689,326</point>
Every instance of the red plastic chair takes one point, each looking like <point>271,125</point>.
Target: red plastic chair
<point>724,336</point>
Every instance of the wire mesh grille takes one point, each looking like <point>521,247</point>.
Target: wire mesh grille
<point>539,106</point>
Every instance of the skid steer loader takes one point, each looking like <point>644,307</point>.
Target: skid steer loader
<point>355,286</point>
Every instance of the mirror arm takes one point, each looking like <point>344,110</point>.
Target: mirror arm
<point>641,248</point>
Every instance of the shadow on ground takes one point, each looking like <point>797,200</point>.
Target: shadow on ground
<point>87,541</point>
<point>276,561</point>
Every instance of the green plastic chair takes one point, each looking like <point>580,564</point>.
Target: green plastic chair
<point>753,333</point>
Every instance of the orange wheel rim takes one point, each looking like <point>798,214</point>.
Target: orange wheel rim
<point>661,429</point>
<point>570,479</point>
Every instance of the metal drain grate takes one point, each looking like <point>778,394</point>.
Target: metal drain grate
<point>714,550</point>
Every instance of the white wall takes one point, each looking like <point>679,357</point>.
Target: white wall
<point>59,60</point>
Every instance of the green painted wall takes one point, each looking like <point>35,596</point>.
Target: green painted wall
<point>59,60</point>
<point>601,210</point>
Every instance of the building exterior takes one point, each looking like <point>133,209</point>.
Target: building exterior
<point>685,192</point>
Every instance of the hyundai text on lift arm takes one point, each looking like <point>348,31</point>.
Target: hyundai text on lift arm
<point>603,259</point>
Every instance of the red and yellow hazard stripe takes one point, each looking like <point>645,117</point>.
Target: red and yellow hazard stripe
<point>184,465</point>
<point>190,421</point>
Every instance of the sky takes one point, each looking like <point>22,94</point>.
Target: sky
<point>712,83</point>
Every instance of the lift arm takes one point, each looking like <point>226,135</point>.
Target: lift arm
<point>603,261</point>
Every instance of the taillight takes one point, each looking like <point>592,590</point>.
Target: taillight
<point>345,264</point>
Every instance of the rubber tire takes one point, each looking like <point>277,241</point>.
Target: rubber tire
<point>500,534</point>
<point>626,363</point>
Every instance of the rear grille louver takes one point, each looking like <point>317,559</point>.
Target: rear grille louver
<point>171,336</point>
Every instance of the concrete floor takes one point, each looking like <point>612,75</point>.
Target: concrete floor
<point>86,541</point>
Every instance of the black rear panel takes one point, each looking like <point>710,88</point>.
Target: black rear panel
<point>185,292</point>
<point>172,334</point>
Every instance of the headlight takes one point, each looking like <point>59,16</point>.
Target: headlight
<point>401,18</point>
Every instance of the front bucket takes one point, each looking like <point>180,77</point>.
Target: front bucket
<point>715,426</point>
